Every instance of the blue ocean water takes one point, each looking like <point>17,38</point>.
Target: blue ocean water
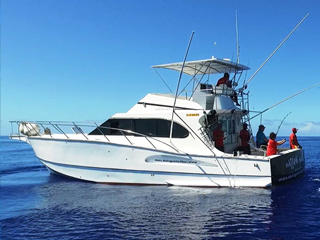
<point>37,205</point>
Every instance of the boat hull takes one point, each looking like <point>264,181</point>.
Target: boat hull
<point>136,177</point>
<point>104,162</point>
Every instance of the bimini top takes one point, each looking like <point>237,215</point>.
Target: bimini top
<point>208,66</point>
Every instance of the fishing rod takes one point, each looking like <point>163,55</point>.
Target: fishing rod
<point>282,122</point>
<point>276,50</point>
<point>284,100</point>
<point>180,75</point>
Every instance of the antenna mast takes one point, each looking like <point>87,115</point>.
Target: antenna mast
<point>237,38</point>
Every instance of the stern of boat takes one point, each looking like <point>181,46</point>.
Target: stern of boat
<point>287,165</point>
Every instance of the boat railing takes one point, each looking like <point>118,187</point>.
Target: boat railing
<point>64,128</point>
<point>222,89</point>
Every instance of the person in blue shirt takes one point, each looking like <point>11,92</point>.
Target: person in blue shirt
<point>261,139</point>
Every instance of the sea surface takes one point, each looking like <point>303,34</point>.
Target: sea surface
<point>37,205</point>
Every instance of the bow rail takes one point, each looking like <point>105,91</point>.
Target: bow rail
<point>73,130</point>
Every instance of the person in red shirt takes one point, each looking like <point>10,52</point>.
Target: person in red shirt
<point>224,80</point>
<point>245,138</point>
<point>293,139</point>
<point>272,144</point>
<point>218,137</point>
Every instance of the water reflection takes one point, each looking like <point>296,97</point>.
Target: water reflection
<point>79,210</point>
<point>152,212</point>
<point>239,212</point>
<point>293,209</point>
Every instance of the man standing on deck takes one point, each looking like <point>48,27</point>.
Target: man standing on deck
<point>293,139</point>
<point>245,138</point>
<point>261,139</point>
<point>218,137</point>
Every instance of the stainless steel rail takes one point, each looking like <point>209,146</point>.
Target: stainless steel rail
<point>58,126</point>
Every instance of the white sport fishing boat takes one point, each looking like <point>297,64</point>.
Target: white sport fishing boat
<point>165,139</point>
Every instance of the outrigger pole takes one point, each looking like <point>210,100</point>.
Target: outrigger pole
<point>249,80</point>
<point>181,71</point>
<point>283,101</point>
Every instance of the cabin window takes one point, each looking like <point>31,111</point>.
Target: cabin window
<point>179,131</point>
<point>103,129</point>
<point>111,127</point>
<point>205,86</point>
<point>125,124</point>
<point>228,125</point>
<point>163,128</point>
<point>229,128</point>
<point>149,127</point>
<point>146,126</point>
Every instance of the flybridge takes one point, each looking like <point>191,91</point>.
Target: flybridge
<point>207,66</point>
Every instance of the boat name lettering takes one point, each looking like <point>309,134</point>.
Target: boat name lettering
<point>193,115</point>
<point>293,161</point>
<point>175,161</point>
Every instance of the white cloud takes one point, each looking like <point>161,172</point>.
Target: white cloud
<point>310,129</point>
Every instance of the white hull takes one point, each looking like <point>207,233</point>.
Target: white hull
<point>110,176</point>
<point>112,163</point>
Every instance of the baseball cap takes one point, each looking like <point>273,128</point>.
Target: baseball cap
<point>294,130</point>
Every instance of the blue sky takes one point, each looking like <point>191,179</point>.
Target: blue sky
<point>81,60</point>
